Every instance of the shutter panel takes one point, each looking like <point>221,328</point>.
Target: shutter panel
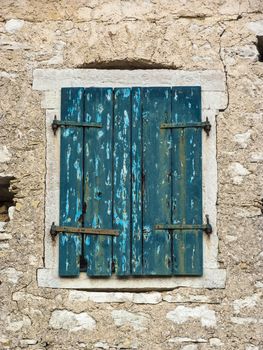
<point>122,181</point>
<point>71,180</point>
<point>98,179</point>
<point>136,179</point>
<point>187,181</point>
<point>157,181</point>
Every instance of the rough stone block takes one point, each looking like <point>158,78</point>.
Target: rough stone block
<point>11,274</point>
<point>248,302</point>
<point>14,25</point>
<point>183,314</point>
<point>5,154</point>
<point>5,236</point>
<point>15,325</point>
<point>138,321</point>
<point>64,319</point>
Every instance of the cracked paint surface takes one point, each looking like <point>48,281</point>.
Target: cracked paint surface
<point>136,175</point>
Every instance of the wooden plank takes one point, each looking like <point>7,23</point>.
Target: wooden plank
<point>187,181</point>
<point>98,179</point>
<point>71,181</point>
<point>136,178</point>
<point>157,181</point>
<point>122,183</point>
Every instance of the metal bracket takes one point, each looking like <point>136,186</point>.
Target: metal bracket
<point>65,123</point>
<point>55,230</point>
<point>204,125</point>
<point>207,228</point>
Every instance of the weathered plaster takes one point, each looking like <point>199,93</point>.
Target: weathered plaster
<point>183,36</point>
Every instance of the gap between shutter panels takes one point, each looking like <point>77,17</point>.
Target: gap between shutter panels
<point>185,241</point>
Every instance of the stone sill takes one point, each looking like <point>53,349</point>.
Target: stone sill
<point>212,278</point>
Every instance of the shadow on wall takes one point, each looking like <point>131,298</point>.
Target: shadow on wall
<point>7,205</point>
<point>126,64</point>
<point>259,45</point>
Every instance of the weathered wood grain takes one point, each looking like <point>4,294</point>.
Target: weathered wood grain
<point>122,181</point>
<point>136,182</point>
<point>136,175</point>
<point>98,179</point>
<point>187,181</point>
<point>71,179</point>
<point>157,181</point>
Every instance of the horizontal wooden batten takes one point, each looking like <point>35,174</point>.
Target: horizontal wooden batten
<point>70,123</point>
<point>207,228</point>
<point>204,125</point>
<point>86,230</point>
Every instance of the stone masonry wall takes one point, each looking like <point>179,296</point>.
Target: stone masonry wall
<point>177,34</point>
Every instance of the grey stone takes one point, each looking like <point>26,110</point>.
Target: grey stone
<point>137,321</point>
<point>184,314</point>
<point>14,25</point>
<point>14,325</point>
<point>5,154</point>
<point>64,319</point>
<point>11,274</point>
<point>256,27</point>
<point>101,345</point>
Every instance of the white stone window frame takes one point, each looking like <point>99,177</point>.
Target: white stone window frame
<point>214,98</point>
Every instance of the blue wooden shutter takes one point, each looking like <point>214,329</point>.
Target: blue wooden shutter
<point>156,181</point>
<point>172,181</point>
<point>71,181</point>
<point>98,186</point>
<point>136,175</point>
<point>187,181</point>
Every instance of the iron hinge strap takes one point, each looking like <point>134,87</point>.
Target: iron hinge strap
<point>206,125</point>
<point>207,228</point>
<point>68,123</point>
<point>54,230</point>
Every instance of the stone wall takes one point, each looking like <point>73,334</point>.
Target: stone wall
<point>178,34</point>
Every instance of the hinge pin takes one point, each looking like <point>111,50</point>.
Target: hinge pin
<point>208,230</point>
<point>207,127</point>
<point>53,231</point>
<point>54,125</point>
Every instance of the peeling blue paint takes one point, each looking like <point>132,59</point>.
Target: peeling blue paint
<point>187,246</point>
<point>98,191</point>
<point>70,181</point>
<point>100,134</point>
<point>165,153</point>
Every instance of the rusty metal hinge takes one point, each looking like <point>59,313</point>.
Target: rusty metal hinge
<point>54,230</point>
<point>207,228</point>
<point>204,125</point>
<point>58,123</point>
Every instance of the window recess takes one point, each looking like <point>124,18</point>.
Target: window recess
<point>131,181</point>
